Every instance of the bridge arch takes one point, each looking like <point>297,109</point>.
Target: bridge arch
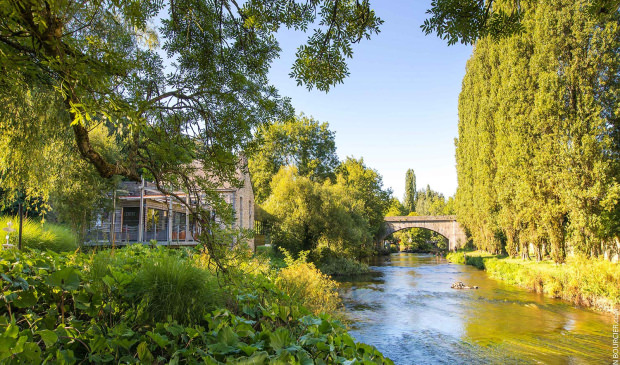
<point>445,225</point>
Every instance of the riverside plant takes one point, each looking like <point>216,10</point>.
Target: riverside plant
<point>42,236</point>
<point>589,282</point>
<point>76,308</point>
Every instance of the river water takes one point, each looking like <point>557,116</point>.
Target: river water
<point>407,309</point>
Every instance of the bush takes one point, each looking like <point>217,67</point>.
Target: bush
<point>276,259</point>
<point>170,287</point>
<point>303,283</point>
<point>41,236</point>
<point>336,266</point>
<point>332,263</point>
<point>456,257</point>
<point>583,281</point>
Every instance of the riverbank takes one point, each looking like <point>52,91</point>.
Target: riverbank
<point>154,305</point>
<point>585,282</point>
<point>327,261</point>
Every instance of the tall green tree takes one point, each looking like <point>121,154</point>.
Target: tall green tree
<point>537,150</point>
<point>410,190</point>
<point>307,215</point>
<point>366,186</point>
<point>301,142</point>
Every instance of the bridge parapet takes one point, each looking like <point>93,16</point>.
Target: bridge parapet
<point>445,225</point>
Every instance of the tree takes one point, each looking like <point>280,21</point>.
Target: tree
<point>366,186</point>
<point>99,60</point>
<point>306,215</point>
<point>469,21</point>
<point>538,119</point>
<point>301,142</point>
<point>410,190</point>
<point>430,202</point>
<point>345,216</point>
<point>396,209</point>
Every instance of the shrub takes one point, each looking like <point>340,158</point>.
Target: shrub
<point>303,283</point>
<point>456,257</point>
<point>583,281</point>
<point>170,287</point>
<point>332,263</point>
<point>41,236</point>
<point>269,252</point>
<point>342,266</point>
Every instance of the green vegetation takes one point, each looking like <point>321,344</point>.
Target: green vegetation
<point>119,306</point>
<point>410,191</point>
<point>537,152</point>
<point>473,258</point>
<point>41,236</point>
<point>582,281</point>
<point>334,264</point>
<point>334,210</point>
<point>301,142</point>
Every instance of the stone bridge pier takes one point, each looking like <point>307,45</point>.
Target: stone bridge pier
<point>445,225</point>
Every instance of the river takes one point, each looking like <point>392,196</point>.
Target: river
<point>407,309</point>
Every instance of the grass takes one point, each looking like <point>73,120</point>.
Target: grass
<point>41,236</point>
<point>172,286</point>
<point>473,258</point>
<point>583,281</point>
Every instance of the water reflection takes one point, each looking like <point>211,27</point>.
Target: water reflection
<point>407,309</point>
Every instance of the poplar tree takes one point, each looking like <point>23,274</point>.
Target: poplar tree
<point>410,190</point>
<point>537,153</point>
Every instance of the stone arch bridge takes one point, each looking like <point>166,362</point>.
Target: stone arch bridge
<point>445,225</point>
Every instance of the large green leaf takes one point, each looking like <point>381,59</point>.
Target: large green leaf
<point>280,339</point>
<point>25,299</point>
<point>227,336</point>
<point>67,278</point>
<point>49,337</point>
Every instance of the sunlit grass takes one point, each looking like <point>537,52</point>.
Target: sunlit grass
<point>41,236</point>
<point>584,281</point>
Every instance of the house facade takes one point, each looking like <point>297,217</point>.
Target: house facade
<point>142,213</point>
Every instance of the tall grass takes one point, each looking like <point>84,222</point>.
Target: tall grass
<point>473,258</point>
<point>172,287</point>
<point>581,280</point>
<point>41,236</point>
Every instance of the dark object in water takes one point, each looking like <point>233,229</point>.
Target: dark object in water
<point>460,285</point>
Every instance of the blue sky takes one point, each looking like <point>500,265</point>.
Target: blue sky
<point>398,108</point>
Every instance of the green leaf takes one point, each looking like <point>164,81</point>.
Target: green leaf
<point>12,331</point>
<point>310,321</point>
<point>32,353</point>
<point>227,336</point>
<point>49,337</point>
<point>67,278</point>
<point>325,326</point>
<point>143,353</point>
<point>175,329</point>
<point>304,358</point>
<point>247,349</point>
<point>258,358</point>
<point>161,340</point>
<point>25,299</point>
<point>279,339</point>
